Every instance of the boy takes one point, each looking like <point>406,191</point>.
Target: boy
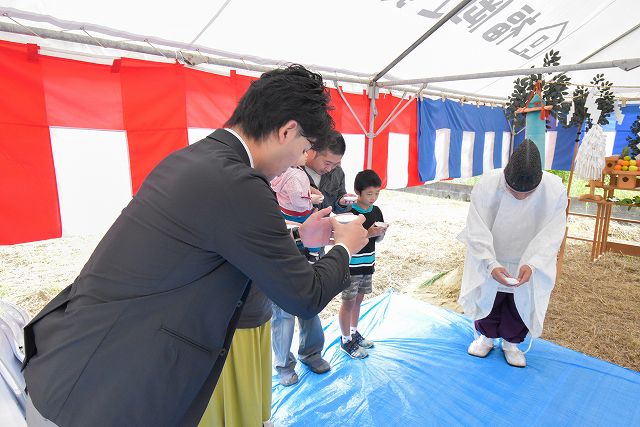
<point>361,267</point>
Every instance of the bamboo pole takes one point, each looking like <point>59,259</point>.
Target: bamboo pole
<point>573,165</point>
<point>566,231</point>
<point>596,233</point>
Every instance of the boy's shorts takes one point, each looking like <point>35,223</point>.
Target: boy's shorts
<point>360,284</point>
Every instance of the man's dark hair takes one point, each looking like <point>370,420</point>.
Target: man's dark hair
<point>365,179</point>
<point>292,93</point>
<point>334,144</point>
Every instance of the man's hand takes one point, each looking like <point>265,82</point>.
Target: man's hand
<point>499,274</point>
<point>524,275</point>
<point>316,230</point>
<point>351,234</point>
<point>347,203</point>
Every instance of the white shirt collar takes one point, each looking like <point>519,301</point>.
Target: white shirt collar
<point>244,144</point>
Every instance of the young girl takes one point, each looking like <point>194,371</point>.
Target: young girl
<point>295,195</point>
<point>296,201</point>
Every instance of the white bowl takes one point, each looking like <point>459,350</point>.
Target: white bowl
<point>350,198</point>
<point>511,280</point>
<point>345,218</point>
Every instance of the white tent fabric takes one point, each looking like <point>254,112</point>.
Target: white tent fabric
<point>364,36</point>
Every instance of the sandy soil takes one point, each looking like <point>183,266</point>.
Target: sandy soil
<point>595,307</point>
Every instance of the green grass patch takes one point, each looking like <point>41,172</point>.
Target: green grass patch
<point>433,279</point>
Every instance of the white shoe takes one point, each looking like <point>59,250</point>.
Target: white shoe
<point>513,355</point>
<point>481,346</point>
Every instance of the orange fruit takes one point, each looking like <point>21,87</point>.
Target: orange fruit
<point>620,161</point>
<point>617,167</point>
<point>625,163</point>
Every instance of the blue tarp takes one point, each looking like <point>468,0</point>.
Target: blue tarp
<point>419,374</point>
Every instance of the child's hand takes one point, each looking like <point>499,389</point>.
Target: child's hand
<point>375,231</point>
<point>347,200</point>
<point>316,199</point>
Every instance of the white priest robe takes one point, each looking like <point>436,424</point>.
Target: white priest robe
<point>504,231</point>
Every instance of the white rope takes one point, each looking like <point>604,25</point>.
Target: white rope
<point>93,38</point>
<point>204,57</point>
<point>158,50</point>
<point>23,26</point>
<point>530,345</point>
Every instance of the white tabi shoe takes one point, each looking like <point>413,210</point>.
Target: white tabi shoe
<point>513,355</point>
<point>481,346</point>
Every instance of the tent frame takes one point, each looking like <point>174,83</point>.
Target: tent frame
<point>230,60</point>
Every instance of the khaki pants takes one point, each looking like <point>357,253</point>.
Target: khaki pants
<point>242,397</point>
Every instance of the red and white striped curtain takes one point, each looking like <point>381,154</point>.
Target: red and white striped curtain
<point>78,138</point>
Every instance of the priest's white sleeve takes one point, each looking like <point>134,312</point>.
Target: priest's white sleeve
<point>477,235</point>
<point>543,248</point>
<point>480,256</point>
<point>532,298</point>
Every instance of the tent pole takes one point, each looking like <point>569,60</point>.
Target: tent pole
<point>625,64</point>
<point>417,43</point>
<point>206,27</point>
<point>597,51</point>
<point>372,93</point>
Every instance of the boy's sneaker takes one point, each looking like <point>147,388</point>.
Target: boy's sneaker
<point>352,348</point>
<point>362,341</point>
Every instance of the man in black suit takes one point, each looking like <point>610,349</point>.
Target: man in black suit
<point>141,335</point>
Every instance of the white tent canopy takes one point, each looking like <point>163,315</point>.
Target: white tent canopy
<point>361,37</point>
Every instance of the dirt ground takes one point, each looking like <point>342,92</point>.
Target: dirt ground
<point>595,307</point>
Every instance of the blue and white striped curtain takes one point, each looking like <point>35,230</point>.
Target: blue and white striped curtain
<point>560,141</point>
<point>459,141</point>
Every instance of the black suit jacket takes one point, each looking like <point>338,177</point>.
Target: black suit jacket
<point>140,337</point>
